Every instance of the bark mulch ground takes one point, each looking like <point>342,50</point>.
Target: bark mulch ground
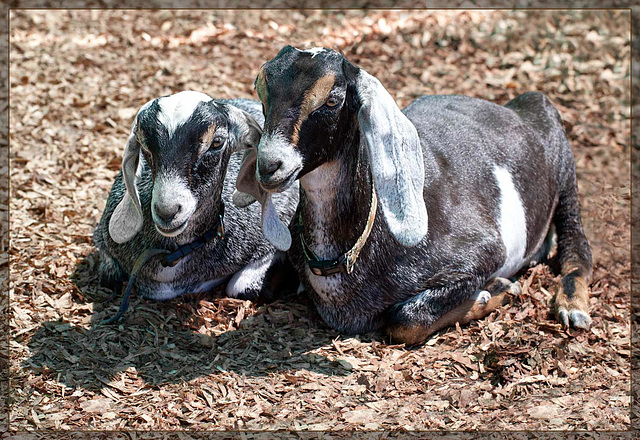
<point>207,362</point>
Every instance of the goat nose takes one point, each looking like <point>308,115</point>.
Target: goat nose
<point>167,213</point>
<point>268,168</point>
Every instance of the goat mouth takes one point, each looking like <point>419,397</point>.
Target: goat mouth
<point>281,185</point>
<point>172,232</point>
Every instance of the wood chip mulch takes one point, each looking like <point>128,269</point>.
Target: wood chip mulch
<point>203,362</point>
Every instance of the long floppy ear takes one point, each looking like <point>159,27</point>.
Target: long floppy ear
<point>247,133</point>
<point>396,160</point>
<point>249,190</point>
<point>126,220</point>
<point>246,129</point>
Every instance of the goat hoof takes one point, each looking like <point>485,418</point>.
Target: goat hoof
<point>580,319</point>
<point>574,318</point>
<point>571,303</point>
<point>515,288</point>
<point>563,317</point>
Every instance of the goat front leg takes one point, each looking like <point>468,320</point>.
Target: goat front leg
<point>412,321</point>
<point>571,302</point>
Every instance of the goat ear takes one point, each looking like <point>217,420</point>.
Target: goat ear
<point>126,220</point>
<point>396,160</point>
<point>272,227</point>
<point>248,133</point>
<point>246,129</point>
<point>249,190</point>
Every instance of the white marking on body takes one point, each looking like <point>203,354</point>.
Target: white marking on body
<point>320,191</point>
<point>320,184</point>
<point>165,291</point>
<point>169,274</point>
<point>315,51</point>
<point>177,108</point>
<point>249,277</point>
<point>512,224</point>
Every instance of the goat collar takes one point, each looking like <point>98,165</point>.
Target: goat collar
<point>170,259</point>
<point>345,262</point>
<point>216,231</point>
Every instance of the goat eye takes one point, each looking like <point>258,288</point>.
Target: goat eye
<point>332,102</point>
<point>217,142</point>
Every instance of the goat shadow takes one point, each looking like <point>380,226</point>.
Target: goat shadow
<point>166,342</point>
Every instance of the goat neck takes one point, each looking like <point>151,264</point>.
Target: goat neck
<point>335,201</point>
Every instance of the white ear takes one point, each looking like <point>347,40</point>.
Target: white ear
<point>249,190</point>
<point>272,227</point>
<point>396,160</point>
<point>126,220</point>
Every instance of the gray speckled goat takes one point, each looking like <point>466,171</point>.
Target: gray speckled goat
<point>407,215</point>
<point>180,163</point>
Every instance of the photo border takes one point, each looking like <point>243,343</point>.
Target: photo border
<point>7,6</point>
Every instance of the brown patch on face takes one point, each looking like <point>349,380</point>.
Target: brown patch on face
<point>313,98</point>
<point>207,138</point>
<point>261,86</point>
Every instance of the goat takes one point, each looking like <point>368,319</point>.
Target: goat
<point>469,192</point>
<point>178,174</point>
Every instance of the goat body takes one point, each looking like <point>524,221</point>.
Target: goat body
<point>468,192</point>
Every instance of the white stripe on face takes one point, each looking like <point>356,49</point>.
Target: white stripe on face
<point>176,109</point>
<point>315,51</point>
<point>169,190</point>
<point>511,222</point>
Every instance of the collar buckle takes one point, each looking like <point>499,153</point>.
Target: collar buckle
<point>345,262</point>
<point>221,231</point>
<point>323,268</point>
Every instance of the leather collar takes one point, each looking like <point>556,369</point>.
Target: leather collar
<point>217,231</point>
<point>345,262</point>
<point>170,259</point>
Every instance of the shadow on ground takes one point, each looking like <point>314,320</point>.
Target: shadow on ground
<point>181,339</point>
